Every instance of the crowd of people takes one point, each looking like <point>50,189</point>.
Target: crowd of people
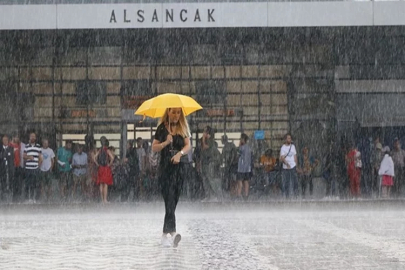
<point>346,172</point>
<point>29,171</point>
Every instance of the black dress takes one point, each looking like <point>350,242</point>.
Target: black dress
<point>6,170</point>
<point>171,176</point>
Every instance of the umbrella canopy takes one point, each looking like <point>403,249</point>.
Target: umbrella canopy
<point>156,107</point>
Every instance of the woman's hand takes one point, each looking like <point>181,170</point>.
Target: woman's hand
<point>176,158</point>
<point>169,139</point>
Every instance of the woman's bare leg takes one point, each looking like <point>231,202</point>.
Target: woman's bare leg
<point>246,188</point>
<point>384,192</point>
<point>62,194</point>
<point>239,189</point>
<point>105,192</point>
<point>101,192</point>
<point>74,187</point>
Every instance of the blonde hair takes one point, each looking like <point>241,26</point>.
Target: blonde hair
<point>182,128</point>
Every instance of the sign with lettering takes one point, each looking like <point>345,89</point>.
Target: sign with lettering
<point>219,112</point>
<point>133,102</point>
<point>82,113</point>
<point>202,14</point>
<point>161,15</point>
<point>169,15</point>
<point>259,135</point>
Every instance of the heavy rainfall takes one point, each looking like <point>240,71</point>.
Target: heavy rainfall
<point>192,135</point>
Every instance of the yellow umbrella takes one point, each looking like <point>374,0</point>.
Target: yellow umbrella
<point>156,107</point>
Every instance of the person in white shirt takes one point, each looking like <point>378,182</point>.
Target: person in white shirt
<point>387,172</point>
<point>288,156</point>
<point>46,169</point>
<point>79,166</point>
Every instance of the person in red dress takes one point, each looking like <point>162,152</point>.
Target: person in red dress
<point>104,159</point>
<point>353,171</point>
<point>387,173</point>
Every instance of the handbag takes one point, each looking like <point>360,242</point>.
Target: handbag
<point>358,162</point>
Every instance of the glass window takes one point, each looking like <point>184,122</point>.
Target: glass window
<point>136,88</point>
<point>210,92</point>
<point>91,92</point>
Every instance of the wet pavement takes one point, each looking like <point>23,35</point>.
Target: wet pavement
<point>278,235</point>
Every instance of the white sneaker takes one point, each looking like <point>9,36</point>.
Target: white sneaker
<point>176,240</point>
<point>166,241</point>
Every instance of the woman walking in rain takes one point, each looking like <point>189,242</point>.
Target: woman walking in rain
<point>172,140</point>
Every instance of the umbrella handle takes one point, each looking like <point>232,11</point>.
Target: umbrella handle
<point>143,119</point>
<point>170,129</point>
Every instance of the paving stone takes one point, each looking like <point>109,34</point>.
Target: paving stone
<point>128,237</point>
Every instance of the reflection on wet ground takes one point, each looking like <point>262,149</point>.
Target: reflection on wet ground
<point>283,235</point>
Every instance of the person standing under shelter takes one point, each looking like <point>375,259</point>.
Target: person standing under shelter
<point>288,156</point>
<point>211,183</point>
<point>375,161</point>
<point>244,167</point>
<point>230,161</point>
<point>132,161</point>
<point>18,167</point>
<point>64,160</point>
<point>306,164</point>
<point>398,156</point>
<point>104,160</point>
<point>142,168</point>
<point>33,159</point>
<point>92,170</point>
<point>79,166</point>
<point>354,170</point>
<point>6,169</point>
<point>46,169</point>
<point>387,172</point>
<point>328,172</point>
<point>268,163</point>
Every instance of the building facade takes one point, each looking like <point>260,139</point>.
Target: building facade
<point>325,79</point>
